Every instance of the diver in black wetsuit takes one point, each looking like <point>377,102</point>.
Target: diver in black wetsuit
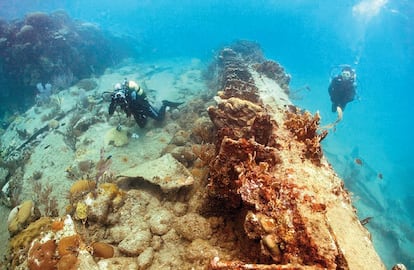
<point>132,100</point>
<point>342,88</point>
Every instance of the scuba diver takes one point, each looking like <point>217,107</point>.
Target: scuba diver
<point>130,97</point>
<point>342,88</point>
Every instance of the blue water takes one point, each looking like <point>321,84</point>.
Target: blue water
<point>308,38</point>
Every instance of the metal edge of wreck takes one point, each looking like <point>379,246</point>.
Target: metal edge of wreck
<point>269,162</point>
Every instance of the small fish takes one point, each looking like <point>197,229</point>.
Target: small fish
<point>366,220</point>
<point>380,176</point>
<point>109,157</point>
<point>47,146</point>
<point>358,161</point>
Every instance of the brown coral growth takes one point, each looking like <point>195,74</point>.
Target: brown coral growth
<point>274,70</point>
<point>42,256</point>
<point>305,127</point>
<point>236,80</point>
<point>226,168</point>
<point>204,152</point>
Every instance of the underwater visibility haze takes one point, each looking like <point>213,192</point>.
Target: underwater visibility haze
<point>371,148</point>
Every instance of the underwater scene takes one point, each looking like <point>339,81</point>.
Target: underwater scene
<point>206,134</point>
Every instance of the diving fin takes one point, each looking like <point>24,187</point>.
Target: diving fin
<point>171,104</point>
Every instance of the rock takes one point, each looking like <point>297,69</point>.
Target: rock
<point>193,226</point>
<point>165,172</point>
<point>118,263</point>
<point>97,205</point>
<point>183,154</point>
<point>200,250</point>
<point>156,242</point>
<point>85,261</point>
<point>145,258</point>
<point>118,233</point>
<point>180,209</point>
<point>135,243</point>
<point>160,221</point>
<point>180,138</point>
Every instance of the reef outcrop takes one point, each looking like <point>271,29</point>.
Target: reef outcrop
<point>51,48</point>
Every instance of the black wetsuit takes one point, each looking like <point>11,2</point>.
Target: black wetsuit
<point>341,91</point>
<point>135,102</point>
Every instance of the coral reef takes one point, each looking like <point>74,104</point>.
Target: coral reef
<point>52,48</point>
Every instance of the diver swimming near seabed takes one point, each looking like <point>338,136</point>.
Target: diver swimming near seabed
<point>131,98</point>
<point>342,87</point>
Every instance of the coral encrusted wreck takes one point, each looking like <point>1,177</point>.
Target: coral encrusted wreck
<point>270,168</point>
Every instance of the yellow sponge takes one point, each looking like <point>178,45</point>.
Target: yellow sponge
<point>20,216</point>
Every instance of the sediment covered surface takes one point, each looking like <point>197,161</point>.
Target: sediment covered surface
<point>249,187</point>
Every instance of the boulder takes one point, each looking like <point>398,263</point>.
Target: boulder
<point>165,172</point>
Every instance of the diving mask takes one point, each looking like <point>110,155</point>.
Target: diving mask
<point>346,74</point>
